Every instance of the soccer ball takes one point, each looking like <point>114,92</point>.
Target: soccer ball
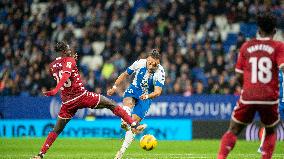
<point>148,142</point>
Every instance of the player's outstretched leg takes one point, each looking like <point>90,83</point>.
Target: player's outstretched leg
<point>229,139</point>
<point>119,111</point>
<point>58,128</point>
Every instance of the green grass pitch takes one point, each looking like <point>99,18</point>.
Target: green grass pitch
<point>90,148</point>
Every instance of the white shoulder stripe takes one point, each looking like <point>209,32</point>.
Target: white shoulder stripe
<point>239,70</point>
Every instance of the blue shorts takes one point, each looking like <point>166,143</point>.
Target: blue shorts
<point>141,106</point>
<point>281,110</point>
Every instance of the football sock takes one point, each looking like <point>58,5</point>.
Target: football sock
<point>127,109</point>
<point>268,146</point>
<point>129,137</point>
<point>119,111</point>
<point>228,142</point>
<point>262,138</point>
<point>48,142</point>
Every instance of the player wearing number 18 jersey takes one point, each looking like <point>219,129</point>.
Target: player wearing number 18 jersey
<point>257,66</point>
<point>74,96</point>
<point>281,94</point>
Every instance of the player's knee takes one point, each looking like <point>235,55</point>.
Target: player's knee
<point>107,103</point>
<point>129,102</point>
<point>57,131</point>
<point>270,130</point>
<point>112,103</point>
<point>110,106</point>
<point>235,129</point>
<point>128,105</point>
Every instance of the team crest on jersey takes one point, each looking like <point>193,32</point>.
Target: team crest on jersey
<point>69,64</point>
<point>144,85</point>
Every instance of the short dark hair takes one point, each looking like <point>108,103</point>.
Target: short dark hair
<point>61,46</point>
<point>154,54</point>
<point>267,22</point>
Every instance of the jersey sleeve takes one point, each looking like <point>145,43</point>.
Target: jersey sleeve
<point>241,60</point>
<point>280,56</point>
<point>134,67</point>
<point>160,78</point>
<point>68,65</point>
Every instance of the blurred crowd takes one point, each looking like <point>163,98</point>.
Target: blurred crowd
<point>110,35</point>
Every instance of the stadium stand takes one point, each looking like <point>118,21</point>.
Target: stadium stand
<point>199,43</point>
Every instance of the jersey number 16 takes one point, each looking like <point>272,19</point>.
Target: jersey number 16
<point>59,76</point>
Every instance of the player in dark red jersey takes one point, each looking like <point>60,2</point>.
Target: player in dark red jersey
<point>257,66</point>
<point>74,96</point>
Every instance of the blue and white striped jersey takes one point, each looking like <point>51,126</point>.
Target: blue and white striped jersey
<point>144,80</point>
<point>281,87</point>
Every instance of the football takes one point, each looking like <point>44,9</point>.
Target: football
<point>148,142</point>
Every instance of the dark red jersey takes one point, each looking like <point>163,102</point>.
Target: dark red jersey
<point>73,88</point>
<point>259,60</point>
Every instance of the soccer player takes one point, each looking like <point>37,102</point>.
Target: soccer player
<point>281,107</point>
<point>257,67</point>
<point>74,96</point>
<point>147,84</point>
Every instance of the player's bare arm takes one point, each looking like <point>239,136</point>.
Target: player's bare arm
<point>239,77</point>
<point>118,81</point>
<point>157,92</point>
<point>65,77</point>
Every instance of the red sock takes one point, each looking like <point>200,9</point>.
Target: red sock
<point>228,142</point>
<point>118,111</point>
<point>268,146</point>
<point>48,142</point>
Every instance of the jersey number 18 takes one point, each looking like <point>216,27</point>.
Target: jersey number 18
<point>261,69</point>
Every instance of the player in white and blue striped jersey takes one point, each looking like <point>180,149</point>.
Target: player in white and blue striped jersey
<point>281,105</point>
<point>281,94</point>
<point>147,84</point>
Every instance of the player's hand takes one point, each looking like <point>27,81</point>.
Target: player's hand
<point>49,93</point>
<point>144,96</point>
<point>110,92</point>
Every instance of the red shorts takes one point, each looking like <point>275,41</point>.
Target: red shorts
<point>244,113</point>
<point>86,100</point>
